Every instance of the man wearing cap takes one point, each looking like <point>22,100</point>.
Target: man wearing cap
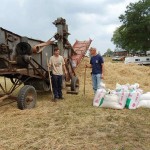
<point>97,65</point>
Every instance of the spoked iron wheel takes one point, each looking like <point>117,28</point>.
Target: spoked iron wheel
<point>15,81</point>
<point>27,97</point>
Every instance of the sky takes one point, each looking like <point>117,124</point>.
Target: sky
<point>94,19</point>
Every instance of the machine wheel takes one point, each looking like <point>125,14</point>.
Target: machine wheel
<point>23,48</point>
<point>74,84</point>
<point>27,97</point>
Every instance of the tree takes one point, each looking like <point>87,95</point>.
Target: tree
<point>134,33</point>
<point>109,52</point>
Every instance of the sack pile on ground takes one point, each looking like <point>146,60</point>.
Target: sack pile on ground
<point>129,96</point>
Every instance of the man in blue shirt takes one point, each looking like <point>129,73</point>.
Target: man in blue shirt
<point>97,65</point>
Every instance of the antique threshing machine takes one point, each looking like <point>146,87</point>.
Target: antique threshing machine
<point>24,61</point>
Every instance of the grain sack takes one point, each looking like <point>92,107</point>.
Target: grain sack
<point>123,95</point>
<point>144,100</point>
<point>133,99</point>
<point>145,96</point>
<point>122,87</point>
<point>144,104</point>
<point>99,97</point>
<point>111,101</point>
<point>134,86</point>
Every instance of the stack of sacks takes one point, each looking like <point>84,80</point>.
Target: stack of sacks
<point>144,100</point>
<point>129,96</point>
<point>99,96</point>
<point>134,96</point>
<point>116,99</point>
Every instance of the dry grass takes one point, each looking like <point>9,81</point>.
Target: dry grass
<point>74,124</point>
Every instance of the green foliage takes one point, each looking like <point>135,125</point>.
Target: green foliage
<point>109,52</point>
<point>134,33</point>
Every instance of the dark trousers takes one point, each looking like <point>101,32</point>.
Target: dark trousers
<point>57,85</point>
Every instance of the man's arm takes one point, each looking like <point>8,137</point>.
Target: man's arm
<point>64,68</point>
<point>88,66</point>
<point>50,63</point>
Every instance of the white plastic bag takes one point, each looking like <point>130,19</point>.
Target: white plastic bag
<point>144,104</point>
<point>99,96</point>
<point>111,101</point>
<point>122,87</point>
<point>102,85</point>
<point>145,96</point>
<point>123,95</point>
<point>134,86</point>
<point>133,99</point>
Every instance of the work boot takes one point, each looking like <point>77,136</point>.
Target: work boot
<point>61,98</point>
<point>55,98</point>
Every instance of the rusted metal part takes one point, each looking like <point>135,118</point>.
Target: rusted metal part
<point>23,59</point>
<point>17,35</point>
<point>10,69</point>
<point>2,88</point>
<point>14,86</point>
<point>70,70</point>
<point>4,97</point>
<point>40,47</point>
<point>80,47</point>
<point>40,72</point>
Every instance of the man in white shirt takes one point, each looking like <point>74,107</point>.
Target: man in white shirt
<point>57,65</point>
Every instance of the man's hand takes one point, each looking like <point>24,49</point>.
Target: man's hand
<point>102,76</point>
<point>49,65</point>
<point>66,75</point>
<point>87,66</point>
<point>66,72</point>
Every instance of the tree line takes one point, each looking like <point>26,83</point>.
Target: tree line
<point>134,33</point>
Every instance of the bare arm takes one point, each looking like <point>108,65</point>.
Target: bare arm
<point>64,68</point>
<point>49,64</point>
<point>88,66</point>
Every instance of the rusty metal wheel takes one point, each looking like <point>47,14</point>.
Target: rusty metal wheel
<point>27,97</point>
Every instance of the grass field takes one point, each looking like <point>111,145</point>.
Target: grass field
<point>74,124</point>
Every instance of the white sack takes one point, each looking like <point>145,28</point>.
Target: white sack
<point>111,101</point>
<point>99,96</point>
<point>133,99</point>
<point>144,104</point>
<point>145,96</point>
<point>122,87</point>
<point>134,86</point>
<point>123,95</point>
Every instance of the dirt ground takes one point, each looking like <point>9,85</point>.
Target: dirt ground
<point>74,124</point>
